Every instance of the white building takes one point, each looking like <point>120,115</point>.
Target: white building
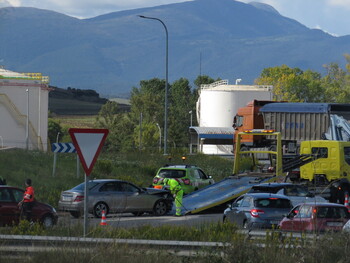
<point>216,107</point>
<point>23,110</point>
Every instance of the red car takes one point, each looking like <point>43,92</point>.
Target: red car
<point>318,217</point>
<point>9,211</point>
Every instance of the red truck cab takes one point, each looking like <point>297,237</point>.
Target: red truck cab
<point>248,118</point>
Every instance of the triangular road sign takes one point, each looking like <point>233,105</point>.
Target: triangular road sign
<point>88,143</point>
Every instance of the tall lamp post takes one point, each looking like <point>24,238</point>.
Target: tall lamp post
<point>166,83</point>
<point>27,121</point>
<point>160,137</point>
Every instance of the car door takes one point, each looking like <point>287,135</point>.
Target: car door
<point>136,198</point>
<point>232,214</point>
<point>288,222</point>
<point>204,179</point>
<point>240,209</point>
<point>9,211</point>
<point>110,193</point>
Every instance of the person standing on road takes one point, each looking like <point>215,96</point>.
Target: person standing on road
<point>177,192</point>
<point>27,202</point>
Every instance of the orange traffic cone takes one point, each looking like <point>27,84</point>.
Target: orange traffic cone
<point>103,219</point>
<point>346,202</point>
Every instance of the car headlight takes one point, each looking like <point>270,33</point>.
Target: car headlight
<point>54,210</point>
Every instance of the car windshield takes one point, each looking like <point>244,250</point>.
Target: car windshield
<point>80,187</point>
<point>172,173</point>
<point>272,203</point>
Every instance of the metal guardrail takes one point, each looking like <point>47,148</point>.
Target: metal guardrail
<point>256,234</point>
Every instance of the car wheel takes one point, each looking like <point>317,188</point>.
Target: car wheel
<point>137,213</point>
<point>75,214</point>
<point>160,208</point>
<point>98,208</point>
<point>48,221</point>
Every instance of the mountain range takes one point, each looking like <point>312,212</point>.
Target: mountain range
<point>111,53</point>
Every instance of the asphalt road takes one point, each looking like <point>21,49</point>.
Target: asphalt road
<point>129,220</point>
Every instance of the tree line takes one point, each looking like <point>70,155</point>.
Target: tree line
<point>142,127</point>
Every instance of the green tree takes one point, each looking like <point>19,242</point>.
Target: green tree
<point>119,125</point>
<point>149,136</point>
<point>54,129</point>
<point>182,102</point>
<point>336,84</point>
<point>292,84</point>
<point>203,79</point>
<point>107,116</point>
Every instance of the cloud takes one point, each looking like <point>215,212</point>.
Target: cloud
<point>88,8</point>
<point>6,3</point>
<point>340,3</point>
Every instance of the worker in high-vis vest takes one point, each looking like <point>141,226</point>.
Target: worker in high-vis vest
<point>177,192</point>
<point>27,203</point>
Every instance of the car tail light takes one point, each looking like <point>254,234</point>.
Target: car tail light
<point>79,198</point>
<point>187,181</point>
<point>256,212</point>
<point>155,180</point>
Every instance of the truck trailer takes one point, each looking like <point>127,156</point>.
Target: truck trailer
<point>297,122</point>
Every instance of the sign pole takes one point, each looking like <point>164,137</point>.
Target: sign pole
<point>86,196</point>
<point>54,164</point>
<point>88,144</point>
<point>78,166</point>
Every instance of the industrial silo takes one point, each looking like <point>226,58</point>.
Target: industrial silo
<point>218,103</point>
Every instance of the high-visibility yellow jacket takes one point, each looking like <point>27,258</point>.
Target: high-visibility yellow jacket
<point>174,186</point>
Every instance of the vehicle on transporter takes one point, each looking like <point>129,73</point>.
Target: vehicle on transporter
<point>324,169</point>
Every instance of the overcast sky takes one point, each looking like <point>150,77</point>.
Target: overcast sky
<point>331,16</point>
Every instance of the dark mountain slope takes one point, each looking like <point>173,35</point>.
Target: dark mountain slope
<point>113,52</point>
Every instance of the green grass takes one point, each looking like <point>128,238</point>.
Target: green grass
<point>139,168</point>
<point>239,248</point>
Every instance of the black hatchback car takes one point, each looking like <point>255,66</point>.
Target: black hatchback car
<point>257,210</point>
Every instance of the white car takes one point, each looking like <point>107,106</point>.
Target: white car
<point>296,193</point>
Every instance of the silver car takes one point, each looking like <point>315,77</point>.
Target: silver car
<point>115,196</point>
<point>258,210</point>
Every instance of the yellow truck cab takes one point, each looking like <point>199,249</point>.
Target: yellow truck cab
<point>332,163</point>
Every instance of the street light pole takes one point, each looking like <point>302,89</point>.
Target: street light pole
<point>160,137</point>
<point>166,83</point>
<point>27,121</point>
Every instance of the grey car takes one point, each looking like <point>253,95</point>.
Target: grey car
<point>297,194</point>
<point>115,196</point>
<point>257,210</point>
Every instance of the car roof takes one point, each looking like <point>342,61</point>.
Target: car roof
<point>182,166</point>
<point>266,195</point>
<point>323,204</point>
<point>8,186</point>
<point>106,180</point>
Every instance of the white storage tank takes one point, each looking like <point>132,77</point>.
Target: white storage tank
<point>218,102</point>
<point>23,110</point>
